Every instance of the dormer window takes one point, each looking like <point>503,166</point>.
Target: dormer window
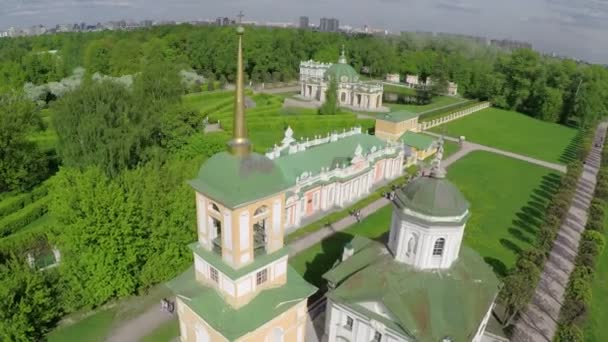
<point>215,208</point>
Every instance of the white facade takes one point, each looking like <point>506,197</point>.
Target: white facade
<point>352,93</point>
<point>426,246</point>
<point>393,78</point>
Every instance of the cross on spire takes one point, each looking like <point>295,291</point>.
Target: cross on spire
<point>240,16</point>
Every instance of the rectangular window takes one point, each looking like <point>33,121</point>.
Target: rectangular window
<point>214,275</point>
<point>377,337</point>
<point>349,323</point>
<point>261,277</point>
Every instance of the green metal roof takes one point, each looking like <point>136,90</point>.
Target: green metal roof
<point>432,196</point>
<point>326,155</point>
<point>417,140</point>
<point>426,305</point>
<point>234,181</point>
<point>216,261</point>
<point>398,116</point>
<point>342,69</point>
<point>267,305</point>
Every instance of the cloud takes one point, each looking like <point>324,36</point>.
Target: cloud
<point>580,13</point>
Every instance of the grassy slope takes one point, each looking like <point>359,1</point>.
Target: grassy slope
<point>514,132</point>
<point>596,329</point>
<point>503,213</point>
<point>91,329</point>
<point>437,102</point>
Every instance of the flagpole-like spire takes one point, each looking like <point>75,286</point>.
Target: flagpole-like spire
<point>239,144</point>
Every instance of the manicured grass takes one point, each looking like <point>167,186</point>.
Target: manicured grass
<point>449,148</point>
<point>515,132</point>
<point>93,328</point>
<point>399,90</point>
<point>596,329</point>
<point>167,332</point>
<point>507,199</point>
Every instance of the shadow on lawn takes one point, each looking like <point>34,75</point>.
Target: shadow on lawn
<point>331,250</point>
<point>528,220</point>
<point>571,150</point>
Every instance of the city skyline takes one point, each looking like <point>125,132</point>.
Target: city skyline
<point>575,28</point>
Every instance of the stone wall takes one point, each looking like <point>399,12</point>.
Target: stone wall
<point>453,116</point>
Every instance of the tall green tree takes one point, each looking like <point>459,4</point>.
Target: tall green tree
<point>330,106</point>
<point>28,305</point>
<point>22,164</point>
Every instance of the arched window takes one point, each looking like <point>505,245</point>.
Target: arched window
<point>343,97</point>
<point>438,248</point>
<point>411,245</point>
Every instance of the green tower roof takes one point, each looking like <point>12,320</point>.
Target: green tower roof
<point>342,70</point>
<point>233,180</point>
<point>433,196</point>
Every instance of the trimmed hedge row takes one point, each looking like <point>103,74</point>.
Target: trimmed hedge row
<point>578,295</point>
<point>520,283</point>
<point>15,203</point>
<point>12,223</point>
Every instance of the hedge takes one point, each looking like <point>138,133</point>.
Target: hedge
<point>17,202</point>
<point>578,294</point>
<point>12,223</point>
<point>514,296</point>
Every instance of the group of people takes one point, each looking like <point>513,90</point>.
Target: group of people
<point>167,305</point>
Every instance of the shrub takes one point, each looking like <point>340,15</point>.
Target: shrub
<point>17,202</point>
<point>595,225</point>
<point>569,333</point>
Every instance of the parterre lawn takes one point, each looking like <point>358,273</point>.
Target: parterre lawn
<point>596,329</point>
<point>515,132</point>
<point>94,328</point>
<point>437,102</point>
<point>507,199</point>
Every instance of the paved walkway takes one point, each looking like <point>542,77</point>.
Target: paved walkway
<point>539,321</point>
<point>135,329</point>
<point>468,147</point>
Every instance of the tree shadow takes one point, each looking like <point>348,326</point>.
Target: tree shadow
<point>570,153</point>
<point>510,245</point>
<point>498,266</point>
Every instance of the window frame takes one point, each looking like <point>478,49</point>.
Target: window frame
<point>261,277</point>
<point>439,247</point>
<point>350,323</point>
<point>214,274</point>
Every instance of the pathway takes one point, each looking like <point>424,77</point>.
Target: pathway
<point>135,329</point>
<point>539,321</point>
<point>468,147</point>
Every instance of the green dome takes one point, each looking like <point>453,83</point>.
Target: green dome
<point>432,196</point>
<point>234,181</point>
<point>342,72</point>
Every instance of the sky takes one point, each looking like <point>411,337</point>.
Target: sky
<point>575,28</point>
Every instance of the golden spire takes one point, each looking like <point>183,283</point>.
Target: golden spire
<point>239,145</point>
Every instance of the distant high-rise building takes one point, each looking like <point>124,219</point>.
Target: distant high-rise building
<point>304,22</point>
<point>510,44</point>
<point>329,25</point>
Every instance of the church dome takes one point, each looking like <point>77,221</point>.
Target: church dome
<point>233,180</point>
<point>432,196</point>
<point>342,72</point>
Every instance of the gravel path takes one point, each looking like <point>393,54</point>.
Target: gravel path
<point>538,322</point>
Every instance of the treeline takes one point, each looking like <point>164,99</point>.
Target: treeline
<point>549,89</point>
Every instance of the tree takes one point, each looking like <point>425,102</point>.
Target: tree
<point>22,164</point>
<point>330,106</point>
<point>517,292</point>
<point>97,56</point>
<point>28,305</point>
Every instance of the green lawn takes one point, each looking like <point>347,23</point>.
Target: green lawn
<point>507,199</point>
<point>164,333</point>
<point>515,132</point>
<point>91,329</point>
<point>596,330</point>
